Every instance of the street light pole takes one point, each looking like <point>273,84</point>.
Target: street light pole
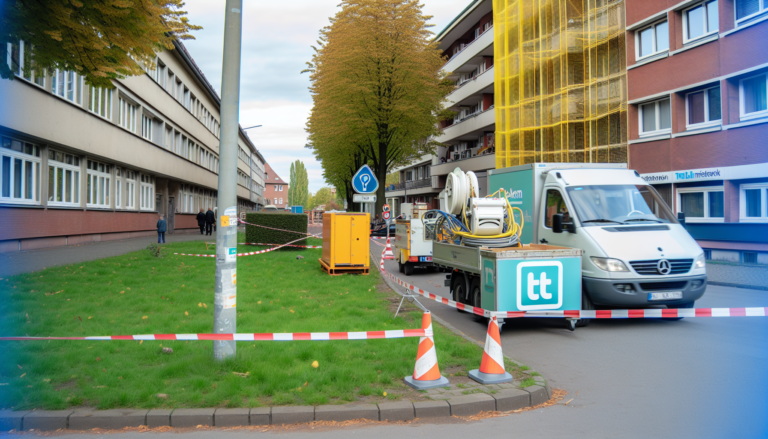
<point>225,314</point>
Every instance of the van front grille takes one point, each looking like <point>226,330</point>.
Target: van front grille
<point>650,267</point>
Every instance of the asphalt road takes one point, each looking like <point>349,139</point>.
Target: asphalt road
<point>694,378</point>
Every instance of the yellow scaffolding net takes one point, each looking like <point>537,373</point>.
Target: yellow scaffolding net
<point>561,81</point>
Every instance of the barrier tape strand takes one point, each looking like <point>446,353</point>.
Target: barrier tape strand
<point>649,313</point>
<point>270,336</point>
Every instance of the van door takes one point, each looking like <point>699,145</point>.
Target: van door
<point>553,202</point>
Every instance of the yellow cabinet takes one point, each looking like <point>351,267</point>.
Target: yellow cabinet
<point>346,243</point>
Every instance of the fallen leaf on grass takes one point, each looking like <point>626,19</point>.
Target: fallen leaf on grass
<point>186,313</point>
<point>315,364</point>
<point>162,395</point>
<point>90,317</point>
<point>22,375</point>
<point>200,304</point>
<point>122,292</point>
<point>144,318</point>
<point>98,358</point>
<point>244,375</point>
<point>51,294</point>
<point>19,366</point>
<point>99,387</point>
<point>205,306</point>
<point>46,379</point>
<point>141,341</point>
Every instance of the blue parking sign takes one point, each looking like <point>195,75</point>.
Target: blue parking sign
<point>364,181</point>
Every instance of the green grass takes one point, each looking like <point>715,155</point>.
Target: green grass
<point>141,294</point>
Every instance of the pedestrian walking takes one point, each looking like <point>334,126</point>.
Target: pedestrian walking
<point>201,221</point>
<point>210,219</point>
<point>161,228</point>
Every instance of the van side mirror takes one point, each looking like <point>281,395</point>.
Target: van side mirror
<point>557,223</point>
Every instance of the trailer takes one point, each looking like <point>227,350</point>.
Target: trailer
<point>534,277</point>
<point>412,248</point>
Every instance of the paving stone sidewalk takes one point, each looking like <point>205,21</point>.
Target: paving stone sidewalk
<point>747,276</point>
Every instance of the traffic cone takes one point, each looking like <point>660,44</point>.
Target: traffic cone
<point>388,251</point>
<point>426,374</point>
<point>492,367</point>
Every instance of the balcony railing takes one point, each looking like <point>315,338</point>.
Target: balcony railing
<point>468,44</point>
<point>412,184</point>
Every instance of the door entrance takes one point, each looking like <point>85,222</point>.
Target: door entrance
<point>170,217</point>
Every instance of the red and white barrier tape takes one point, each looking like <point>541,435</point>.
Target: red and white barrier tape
<point>298,246</point>
<point>272,228</point>
<point>251,253</point>
<point>653,313</point>
<point>274,336</point>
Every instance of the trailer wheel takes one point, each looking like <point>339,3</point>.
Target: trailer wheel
<point>408,269</point>
<point>475,292</point>
<point>400,266</point>
<point>458,287</point>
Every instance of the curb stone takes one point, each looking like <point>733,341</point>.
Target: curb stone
<point>159,418</point>
<point>469,405</point>
<point>538,394</point>
<point>431,409</point>
<point>231,417</point>
<point>47,420</point>
<point>346,412</point>
<point>512,399</point>
<point>396,411</point>
<point>192,417</point>
<point>261,415</point>
<point>292,414</point>
<point>107,419</point>
<point>11,420</point>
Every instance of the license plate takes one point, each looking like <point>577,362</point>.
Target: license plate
<point>425,258</point>
<point>669,295</point>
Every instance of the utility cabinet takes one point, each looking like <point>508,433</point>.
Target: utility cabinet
<point>346,243</point>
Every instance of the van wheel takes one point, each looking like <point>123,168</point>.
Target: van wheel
<point>587,305</point>
<point>408,269</point>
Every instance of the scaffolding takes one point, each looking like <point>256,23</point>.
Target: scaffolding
<point>561,81</point>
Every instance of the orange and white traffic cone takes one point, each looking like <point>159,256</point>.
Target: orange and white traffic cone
<point>426,374</point>
<point>388,251</point>
<point>492,367</point>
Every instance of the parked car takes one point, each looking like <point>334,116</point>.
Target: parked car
<point>383,231</point>
<point>270,208</point>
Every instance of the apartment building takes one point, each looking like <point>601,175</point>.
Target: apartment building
<point>81,164</point>
<point>414,185</point>
<point>698,117</point>
<point>276,192</point>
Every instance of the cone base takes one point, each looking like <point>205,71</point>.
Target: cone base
<point>490,378</point>
<point>424,385</point>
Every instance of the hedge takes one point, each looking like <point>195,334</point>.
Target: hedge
<point>286,221</point>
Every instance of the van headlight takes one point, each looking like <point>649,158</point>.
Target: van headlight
<point>608,264</point>
<point>701,262</point>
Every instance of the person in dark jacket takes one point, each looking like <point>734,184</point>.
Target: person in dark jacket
<point>161,228</point>
<point>201,221</point>
<point>210,218</point>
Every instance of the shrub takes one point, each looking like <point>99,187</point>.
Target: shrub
<point>154,250</point>
<point>287,221</point>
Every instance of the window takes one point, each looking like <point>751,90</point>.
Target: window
<point>754,202</point>
<point>749,257</point>
<point>652,40</point>
<point>63,179</point>
<point>700,21</point>
<point>281,201</point>
<point>753,97</point>
<point>118,188</point>
<point>703,107</point>
<point>555,204</point>
<point>19,172</point>
<point>130,189</point>
<point>701,204</point>
<point>280,188</point>
<point>20,62</point>
<point>101,102</point>
<point>748,10</point>
<point>127,113</point>
<point>147,192</point>
<point>655,118</point>
<point>64,84</point>
<point>99,176</point>
<point>146,127</point>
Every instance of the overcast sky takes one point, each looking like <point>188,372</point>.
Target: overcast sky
<point>277,36</point>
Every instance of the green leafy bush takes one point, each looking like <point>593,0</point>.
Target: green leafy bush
<point>286,221</point>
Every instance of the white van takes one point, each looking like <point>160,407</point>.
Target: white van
<point>636,253</point>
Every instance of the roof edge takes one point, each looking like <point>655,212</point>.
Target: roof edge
<point>462,14</point>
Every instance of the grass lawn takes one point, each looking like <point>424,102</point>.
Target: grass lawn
<point>140,294</point>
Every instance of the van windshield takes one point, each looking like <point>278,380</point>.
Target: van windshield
<point>622,204</point>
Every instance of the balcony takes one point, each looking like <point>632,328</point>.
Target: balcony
<point>481,162</point>
<point>413,187</point>
<point>477,48</point>
<point>482,83</point>
<point>482,121</point>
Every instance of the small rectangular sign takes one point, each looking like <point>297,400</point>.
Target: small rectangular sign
<point>231,254</point>
<point>357,198</point>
